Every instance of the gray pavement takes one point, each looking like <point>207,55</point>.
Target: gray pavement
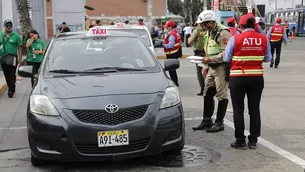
<point>283,129</point>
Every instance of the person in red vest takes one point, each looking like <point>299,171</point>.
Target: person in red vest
<point>245,53</point>
<point>172,46</point>
<point>231,26</point>
<point>257,28</point>
<point>276,35</point>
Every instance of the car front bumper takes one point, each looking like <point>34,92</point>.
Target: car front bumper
<point>61,139</point>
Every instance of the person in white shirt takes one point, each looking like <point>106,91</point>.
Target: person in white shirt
<point>188,31</point>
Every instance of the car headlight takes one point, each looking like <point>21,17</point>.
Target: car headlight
<point>171,97</point>
<point>41,105</point>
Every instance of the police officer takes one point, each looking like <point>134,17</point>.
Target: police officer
<point>231,26</point>
<point>172,46</point>
<point>215,41</point>
<point>276,35</point>
<point>246,52</point>
<point>197,38</point>
<point>10,55</point>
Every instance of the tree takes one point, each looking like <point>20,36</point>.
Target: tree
<point>192,8</point>
<point>175,6</point>
<point>23,8</point>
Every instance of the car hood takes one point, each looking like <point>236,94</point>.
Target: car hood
<point>101,85</point>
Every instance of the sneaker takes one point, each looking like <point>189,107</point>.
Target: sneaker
<point>252,145</point>
<point>239,145</point>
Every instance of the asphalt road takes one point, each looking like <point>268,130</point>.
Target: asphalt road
<point>281,149</point>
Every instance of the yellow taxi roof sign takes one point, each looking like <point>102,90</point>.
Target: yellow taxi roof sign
<point>98,31</point>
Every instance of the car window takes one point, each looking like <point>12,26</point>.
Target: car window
<point>141,32</point>
<point>88,53</point>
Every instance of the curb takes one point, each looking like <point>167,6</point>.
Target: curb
<point>164,57</point>
<point>3,86</point>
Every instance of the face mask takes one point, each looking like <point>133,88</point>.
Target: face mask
<point>165,31</point>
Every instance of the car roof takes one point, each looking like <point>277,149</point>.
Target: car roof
<point>83,34</point>
<point>128,26</point>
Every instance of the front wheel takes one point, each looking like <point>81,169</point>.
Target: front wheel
<point>36,162</point>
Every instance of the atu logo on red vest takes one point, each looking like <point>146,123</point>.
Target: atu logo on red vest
<point>252,41</point>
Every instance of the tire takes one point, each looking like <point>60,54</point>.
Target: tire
<point>37,162</point>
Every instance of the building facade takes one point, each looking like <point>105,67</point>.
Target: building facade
<point>47,15</point>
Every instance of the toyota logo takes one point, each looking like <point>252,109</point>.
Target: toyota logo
<point>112,108</point>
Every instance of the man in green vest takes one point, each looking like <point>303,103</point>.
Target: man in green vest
<point>216,82</point>
<point>10,55</point>
<point>197,38</point>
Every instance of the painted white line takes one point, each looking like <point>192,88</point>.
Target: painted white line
<point>14,128</point>
<point>297,160</point>
<point>293,158</point>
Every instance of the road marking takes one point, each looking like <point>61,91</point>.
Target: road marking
<point>293,158</point>
<point>14,128</point>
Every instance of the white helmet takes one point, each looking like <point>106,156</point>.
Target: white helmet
<point>257,19</point>
<point>207,15</point>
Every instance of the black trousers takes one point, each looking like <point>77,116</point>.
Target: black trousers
<point>199,69</point>
<point>10,76</point>
<point>252,87</point>
<point>276,46</point>
<point>173,73</point>
<point>36,67</point>
<point>182,36</point>
<point>186,40</point>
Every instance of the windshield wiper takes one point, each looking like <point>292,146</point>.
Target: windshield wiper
<point>63,71</point>
<point>116,69</point>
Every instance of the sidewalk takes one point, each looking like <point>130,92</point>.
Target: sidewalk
<point>2,83</point>
<point>185,51</point>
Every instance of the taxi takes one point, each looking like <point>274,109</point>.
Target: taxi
<point>102,95</point>
<point>142,31</point>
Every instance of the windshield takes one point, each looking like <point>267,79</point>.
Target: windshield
<point>141,32</point>
<point>114,54</point>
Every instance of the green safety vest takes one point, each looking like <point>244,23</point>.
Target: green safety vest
<point>211,47</point>
<point>199,39</point>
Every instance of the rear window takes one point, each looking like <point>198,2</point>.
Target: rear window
<point>86,53</point>
<point>141,32</point>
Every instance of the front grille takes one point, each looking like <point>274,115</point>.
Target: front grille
<point>104,118</point>
<point>94,149</point>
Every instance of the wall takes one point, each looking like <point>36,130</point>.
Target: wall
<point>70,11</point>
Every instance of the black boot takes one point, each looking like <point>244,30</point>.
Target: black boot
<point>271,63</point>
<point>221,112</point>
<point>208,111</point>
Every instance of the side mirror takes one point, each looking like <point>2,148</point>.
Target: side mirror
<point>25,71</point>
<point>171,64</point>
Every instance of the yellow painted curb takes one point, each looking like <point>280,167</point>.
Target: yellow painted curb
<point>3,86</point>
<point>164,57</point>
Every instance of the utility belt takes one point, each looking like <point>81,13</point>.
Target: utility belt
<point>199,52</point>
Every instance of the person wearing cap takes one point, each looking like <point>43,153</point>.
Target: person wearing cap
<point>231,26</point>
<point>172,46</point>
<point>10,55</point>
<point>197,38</point>
<point>216,81</point>
<point>126,22</point>
<point>277,36</point>
<point>246,53</point>
<point>257,27</point>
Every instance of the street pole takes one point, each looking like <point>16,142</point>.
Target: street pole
<point>205,5</point>
<point>275,4</point>
<point>150,14</point>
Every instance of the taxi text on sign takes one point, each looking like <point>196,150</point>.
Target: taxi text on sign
<point>98,31</point>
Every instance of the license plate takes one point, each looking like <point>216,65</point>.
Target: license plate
<point>113,138</point>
